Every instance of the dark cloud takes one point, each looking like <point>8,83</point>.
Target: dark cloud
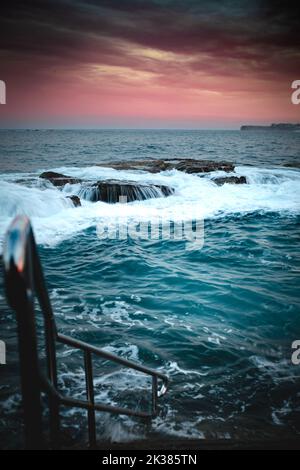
<point>259,34</point>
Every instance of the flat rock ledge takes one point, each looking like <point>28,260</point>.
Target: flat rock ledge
<point>188,165</point>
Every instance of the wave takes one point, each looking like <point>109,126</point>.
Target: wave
<point>55,218</point>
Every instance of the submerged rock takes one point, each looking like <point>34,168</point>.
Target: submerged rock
<point>292,165</point>
<point>57,179</point>
<point>230,179</point>
<point>112,190</point>
<point>29,182</point>
<point>75,199</point>
<point>187,165</point>
<point>151,166</point>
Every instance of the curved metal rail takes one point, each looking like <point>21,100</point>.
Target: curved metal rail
<point>24,281</point>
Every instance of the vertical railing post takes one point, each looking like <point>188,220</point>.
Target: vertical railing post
<point>54,422</point>
<point>90,397</point>
<point>50,338</point>
<point>154,395</point>
<point>21,299</point>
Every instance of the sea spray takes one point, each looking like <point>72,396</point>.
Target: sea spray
<point>197,198</point>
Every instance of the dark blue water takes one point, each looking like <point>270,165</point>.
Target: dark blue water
<point>28,150</point>
<point>219,320</point>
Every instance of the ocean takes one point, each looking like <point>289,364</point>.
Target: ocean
<point>219,320</point>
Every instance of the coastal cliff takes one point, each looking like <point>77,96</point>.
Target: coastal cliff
<point>273,127</point>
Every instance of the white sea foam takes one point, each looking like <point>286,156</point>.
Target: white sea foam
<point>196,196</point>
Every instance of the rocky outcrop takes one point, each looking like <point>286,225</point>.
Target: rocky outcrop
<point>230,179</point>
<point>188,165</point>
<point>57,179</point>
<point>110,191</point>
<point>113,191</point>
<point>75,199</point>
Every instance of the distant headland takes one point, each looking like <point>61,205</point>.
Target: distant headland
<point>273,127</point>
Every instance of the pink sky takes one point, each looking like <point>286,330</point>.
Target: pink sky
<point>126,67</point>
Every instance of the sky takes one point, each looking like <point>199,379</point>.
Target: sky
<point>148,63</point>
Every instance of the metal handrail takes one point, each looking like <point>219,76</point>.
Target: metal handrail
<point>24,281</point>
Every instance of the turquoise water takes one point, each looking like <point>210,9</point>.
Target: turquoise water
<point>219,320</point>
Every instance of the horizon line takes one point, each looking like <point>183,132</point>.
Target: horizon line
<point>117,129</point>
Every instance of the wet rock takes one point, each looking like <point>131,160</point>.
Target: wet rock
<point>110,190</point>
<point>203,166</point>
<point>57,179</point>
<point>187,165</point>
<point>292,165</point>
<point>75,199</point>
<point>151,166</point>
<point>113,191</point>
<point>230,179</point>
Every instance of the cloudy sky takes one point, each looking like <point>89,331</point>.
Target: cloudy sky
<point>148,63</point>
